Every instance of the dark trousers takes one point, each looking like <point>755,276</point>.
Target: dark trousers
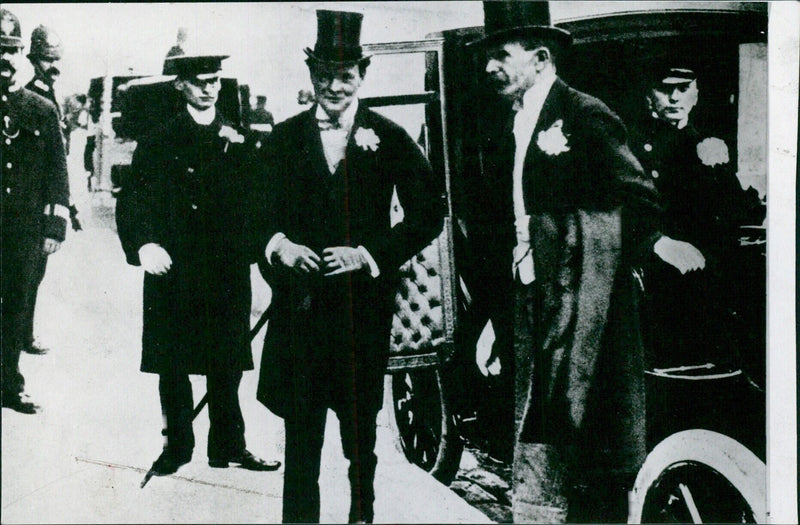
<point>226,433</point>
<point>37,275</point>
<point>21,253</point>
<point>356,405</point>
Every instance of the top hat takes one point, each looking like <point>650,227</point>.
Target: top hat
<point>508,20</point>
<point>10,33</point>
<point>338,38</point>
<point>194,65</point>
<point>45,44</point>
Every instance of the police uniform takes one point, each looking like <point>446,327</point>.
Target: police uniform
<point>34,196</point>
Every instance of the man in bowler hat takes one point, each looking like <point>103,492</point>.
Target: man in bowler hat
<point>182,218</point>
<point>34,196</point>
<point>578,212</point>
<point>332,261</point>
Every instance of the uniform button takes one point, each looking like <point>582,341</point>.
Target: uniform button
<point>654,173</point>
<point>648,147</point>
<point>9,165</point>
<point>36,132</point>
<point>194,206</point>
<point>8,141</point>
<point>8,190</point>
<point>5,98</point>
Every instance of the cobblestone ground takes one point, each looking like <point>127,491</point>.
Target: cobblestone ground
<point>484,483</point>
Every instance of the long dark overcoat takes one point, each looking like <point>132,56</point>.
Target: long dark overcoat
<point>580,382</point>
<point>188,193</point>
<point>323,327</point>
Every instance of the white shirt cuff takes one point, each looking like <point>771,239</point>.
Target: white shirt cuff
<point>272,245</point>
<point>374,271</point>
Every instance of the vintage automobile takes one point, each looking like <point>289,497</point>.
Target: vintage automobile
<point>704,464</point>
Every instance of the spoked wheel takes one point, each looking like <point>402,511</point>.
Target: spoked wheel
<point>699,476</point>
<point>424,425</point>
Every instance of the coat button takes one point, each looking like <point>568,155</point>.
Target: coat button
<point>9,165</point>
<point>654,173</point>
<point>5,98</point>
<point>8,190</point>
<point>36,132</point>
<point>8,141</point>
<point>194,206</point>
<point>648,147</point>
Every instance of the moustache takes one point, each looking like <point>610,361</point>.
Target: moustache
<point>53,71</point>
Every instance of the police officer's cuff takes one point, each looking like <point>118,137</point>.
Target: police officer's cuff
<point>374,271</point>
<point>272,245</point>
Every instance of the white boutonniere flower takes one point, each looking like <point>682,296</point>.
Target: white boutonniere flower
<point>553,141</point>
<point>713,151</point>
<point>231,135</point>
<point>367,139</point>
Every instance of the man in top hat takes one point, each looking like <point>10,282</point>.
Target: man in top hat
<point>578,211</point>
<point>332,261</point>
<point>687,307</point>
<point>34,196</point>
<point>45,54</point>
<point>182,219</point>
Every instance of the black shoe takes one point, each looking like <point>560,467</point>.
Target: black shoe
<point>246,460</point>
<point>20,403</point>
<point>36,349</point>
<point>169,462</point>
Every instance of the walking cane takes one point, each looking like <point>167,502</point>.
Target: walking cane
<point>204,401</point>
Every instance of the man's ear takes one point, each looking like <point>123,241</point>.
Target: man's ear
<point>178,84</point>
<point>543,55</point>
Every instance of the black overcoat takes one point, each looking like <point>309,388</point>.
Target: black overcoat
<point>188,193</point>
<point>580,372</point>
<point>322,326</point>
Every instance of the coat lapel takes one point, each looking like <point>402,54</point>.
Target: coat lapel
<point>313,153</point>
<point>552,110</point>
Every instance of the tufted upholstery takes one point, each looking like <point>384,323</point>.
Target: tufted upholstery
<point>418,324</point>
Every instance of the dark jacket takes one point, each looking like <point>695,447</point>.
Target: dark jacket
<point>188,193</point>
<point>592,215</point>
<point>35,187</point>
<point>320,323</point>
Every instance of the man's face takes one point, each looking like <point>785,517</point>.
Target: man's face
<point>673,102</point>
<point>335,87</point>
<point>201,92</point>
<point>47,69</point>
<point>511,69</point>
<point>10,58</point>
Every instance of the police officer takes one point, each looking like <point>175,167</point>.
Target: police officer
<point>45,54</point>
<point>181,217</point>
<point>34,196</point>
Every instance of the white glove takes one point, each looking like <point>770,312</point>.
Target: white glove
<point>680,254</point>
<point>343,259</point>
<point>154,259</point>
<point>298,257</point>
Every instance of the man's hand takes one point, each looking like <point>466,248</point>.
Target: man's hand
<point>50,246</point>
<point>343,259</point>
<point>299,258</point>
<point>682,255</point>
<point>154,259</point>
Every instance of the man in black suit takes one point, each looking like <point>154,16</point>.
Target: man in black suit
<point>182,218</point>
<point>581,213</point>
<point>332,261</point>
<point>34,197</point>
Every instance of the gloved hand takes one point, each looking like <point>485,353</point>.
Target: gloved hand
<point>154,259</point>
<point>50,246</point>
<point>680,254</point>
<point>343,259</point>
<point>298,257</point>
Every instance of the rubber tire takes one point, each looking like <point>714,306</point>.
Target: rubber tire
<point>450,447</point>
<point>731,459</point>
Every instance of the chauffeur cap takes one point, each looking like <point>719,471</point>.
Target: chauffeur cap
<point>338,39</point>
<point>10,33</point>
<point>185,66</point>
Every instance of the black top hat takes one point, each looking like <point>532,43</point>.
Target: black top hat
<point>10,33</point>
<point>192,65</point>
<point>507,20</point>
<point>338,38</point>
